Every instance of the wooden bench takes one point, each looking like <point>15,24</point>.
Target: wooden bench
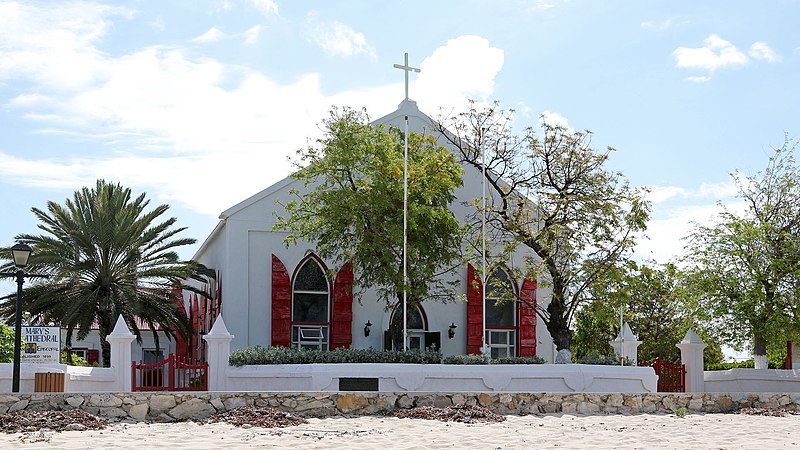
<point>48,382</point>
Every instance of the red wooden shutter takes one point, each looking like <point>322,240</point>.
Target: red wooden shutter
<point>281,304</point>
<point>474,312</point>
<point>342,314</point>
<point>527,318</point>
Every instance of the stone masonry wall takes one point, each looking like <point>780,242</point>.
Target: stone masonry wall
<point>168,407</point>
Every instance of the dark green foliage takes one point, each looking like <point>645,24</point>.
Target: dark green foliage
<point>655,306</point>
<point>519,360</point>
<point>284,355</point>
<point>480,360</point>
<point>602,360</point>
<point>749,364</point>
<point>466,360</point>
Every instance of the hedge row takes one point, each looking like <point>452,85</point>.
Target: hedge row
<point>282,355</point>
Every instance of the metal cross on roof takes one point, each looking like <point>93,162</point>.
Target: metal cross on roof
<point>405,67</point>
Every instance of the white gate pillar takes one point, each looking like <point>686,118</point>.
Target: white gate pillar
<point>692,358</point>
<point>120,340</point>
<point>218,342</point>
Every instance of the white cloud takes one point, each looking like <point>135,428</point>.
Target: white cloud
<point>61,49</point>
<point>554,119</point>
<point>266,7</point>
<point>252,35</point>
<point>214,34</point>
<point>715,54</point>
<point>464,68</point>
<point>661,25</point>
<point>698,79</point>
<point>760,51</point>
<point>542,5</point>
<point>336,38</point>
<point>706,191</point>
<point>160,120</point>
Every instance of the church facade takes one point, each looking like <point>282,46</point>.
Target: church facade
<point>278,295</point>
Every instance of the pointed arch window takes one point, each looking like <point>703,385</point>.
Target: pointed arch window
<point>310,306</point>
<point>417,332</point>
<point>500,310</point>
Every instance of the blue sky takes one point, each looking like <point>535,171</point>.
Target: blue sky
<point>199,103</point>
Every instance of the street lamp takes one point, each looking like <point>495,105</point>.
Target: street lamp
<point>20,254</point>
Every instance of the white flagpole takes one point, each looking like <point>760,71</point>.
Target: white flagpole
<point>621,339</point>
<point>405,237</point>
<point>406,68</point>
<point>483,240</point>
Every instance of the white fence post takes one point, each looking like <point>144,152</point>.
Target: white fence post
<point>692,358</point>
<point>626,345</point>
<point>120,340</point>
<point>219,350</point>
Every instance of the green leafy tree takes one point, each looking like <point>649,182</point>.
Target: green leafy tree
<point>552,194</point>
<point>655,305</point>
<point>353,207</point>
<point>746,267</point>
<point>6,343</point>
<point>106,255</point>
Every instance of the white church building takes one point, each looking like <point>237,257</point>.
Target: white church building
<point>274,295</point>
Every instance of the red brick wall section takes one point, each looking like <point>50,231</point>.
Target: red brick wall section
<point>342,314</point>
<point>474,312</point>
<point>281,304</point>
<point>527,318</point>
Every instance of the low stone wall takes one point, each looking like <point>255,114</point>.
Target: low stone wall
<point>168,407</point>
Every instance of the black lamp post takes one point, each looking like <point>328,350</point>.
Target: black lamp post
<point>20,254</point>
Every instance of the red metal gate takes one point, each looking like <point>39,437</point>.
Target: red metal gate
<point>671,376</point>
<point>170,374</point>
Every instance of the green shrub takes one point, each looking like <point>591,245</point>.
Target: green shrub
<point>603,360</point>
<point>749,364</point>
<point>465,360</point>
<point>478,360</point>
<point>76,360</point>
<point>283,355</point>
<point>519,360</point>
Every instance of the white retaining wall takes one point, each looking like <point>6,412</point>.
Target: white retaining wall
<point>752,380</point>
<point>563,378</point>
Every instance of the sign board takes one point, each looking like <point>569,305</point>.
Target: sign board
<point>41,345</point>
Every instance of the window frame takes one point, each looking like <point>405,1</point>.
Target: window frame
<point>511,347</point>
<point>299,325</point>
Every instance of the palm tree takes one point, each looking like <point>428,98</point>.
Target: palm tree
<point>106,255</point>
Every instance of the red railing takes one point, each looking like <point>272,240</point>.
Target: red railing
<point>170,374</point>
<point>671,376</point>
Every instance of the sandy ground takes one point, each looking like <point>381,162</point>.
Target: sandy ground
<point>713,431</point>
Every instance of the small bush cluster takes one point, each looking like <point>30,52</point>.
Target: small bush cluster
<point>467,360</point>
<point>519,360</point>
<point>737,365</point>
<point>283,355</point>
<point>603,360</point>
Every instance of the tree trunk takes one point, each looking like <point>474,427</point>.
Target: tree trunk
<point>557,324</point>
<point>106,350</point>
<point>760,350</point>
